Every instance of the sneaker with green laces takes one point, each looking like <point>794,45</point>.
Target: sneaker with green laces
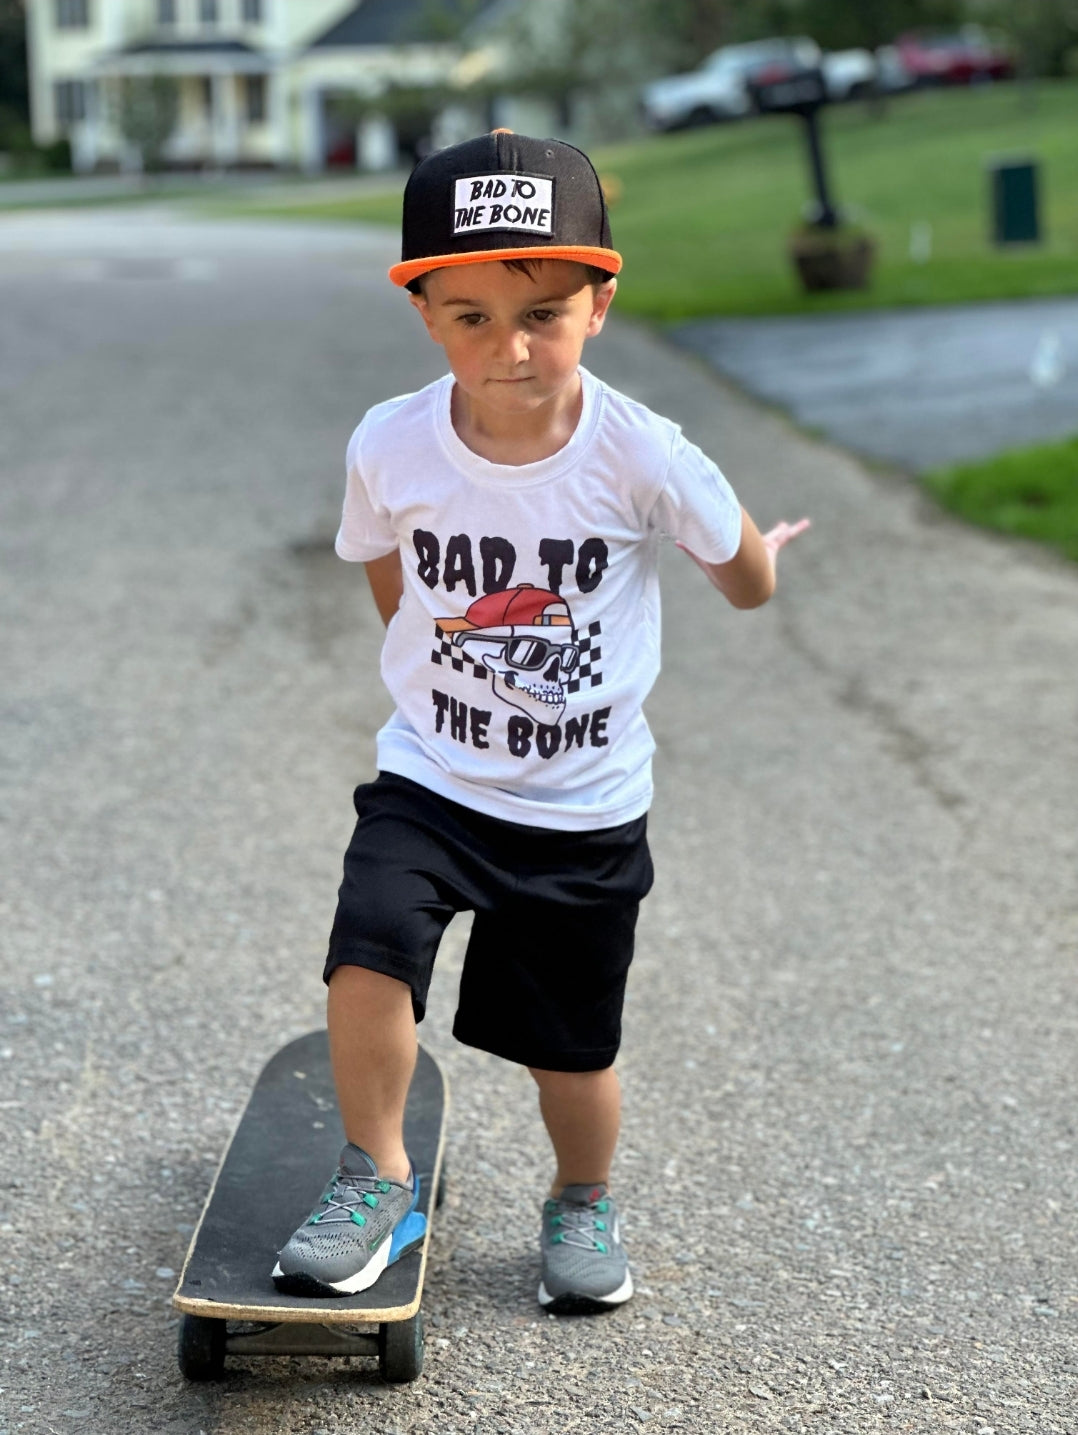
<point>585,1268</point>
<point>361,1225</point>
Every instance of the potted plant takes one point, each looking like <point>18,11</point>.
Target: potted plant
<point>838,256</point>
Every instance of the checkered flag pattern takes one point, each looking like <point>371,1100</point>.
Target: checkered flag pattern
<point>586,674</point>
<point>456,657</point>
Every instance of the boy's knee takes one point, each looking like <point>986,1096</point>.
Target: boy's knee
<point>363,984</point>
<point>556,1082</point>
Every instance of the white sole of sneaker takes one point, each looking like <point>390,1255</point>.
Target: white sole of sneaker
<point>362,1280</point>
<point>615,1297</point>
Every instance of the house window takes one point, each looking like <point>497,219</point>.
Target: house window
<point>72,14</point>
<point>206,86</point>
<point>207,12</point>
<point>166,12</point>
<point>256,99</point>
<point>252,12</point>
<point>70,101</point>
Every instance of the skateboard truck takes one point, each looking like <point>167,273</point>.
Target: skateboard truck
<point>205,1341</point>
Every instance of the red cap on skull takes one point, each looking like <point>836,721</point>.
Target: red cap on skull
<point>519,607</point>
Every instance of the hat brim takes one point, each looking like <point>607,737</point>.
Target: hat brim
<point>409,269</point>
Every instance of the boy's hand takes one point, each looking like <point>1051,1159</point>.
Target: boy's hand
<point>748,579</point>
<point>777,537</point>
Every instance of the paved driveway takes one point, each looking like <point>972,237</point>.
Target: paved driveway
<point>919,388</point>
<point>849,1145</point>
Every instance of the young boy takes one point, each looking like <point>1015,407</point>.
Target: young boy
<point>509,518</point>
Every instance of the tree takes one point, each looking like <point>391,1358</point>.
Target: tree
<point>695,27</point>
<point>843,24</point>
<point>146,111</point>
<point>561,49</point>
<point>1044,32</point>
<point>14,88</point>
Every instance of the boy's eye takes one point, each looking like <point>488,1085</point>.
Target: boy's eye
<point>544,316</point>
<point>469,320</point>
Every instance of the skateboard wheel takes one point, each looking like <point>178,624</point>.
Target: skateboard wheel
<point>400,1349</point>
<point>201,1347</point>
<point>439,1195</point>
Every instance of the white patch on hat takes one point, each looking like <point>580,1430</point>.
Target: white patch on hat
<point>523,202</point>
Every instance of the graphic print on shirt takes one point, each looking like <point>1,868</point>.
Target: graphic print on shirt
<point>523,639</point>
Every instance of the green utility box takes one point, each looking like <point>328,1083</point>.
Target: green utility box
<point>1015,211</point>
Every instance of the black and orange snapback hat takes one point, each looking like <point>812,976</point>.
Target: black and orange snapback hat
<point>503,196</point>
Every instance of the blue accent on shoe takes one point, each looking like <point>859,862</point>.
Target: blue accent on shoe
<point>409,1234</point>
<point>411,1231</point>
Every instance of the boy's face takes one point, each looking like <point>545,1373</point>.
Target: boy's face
<point>513,340</point>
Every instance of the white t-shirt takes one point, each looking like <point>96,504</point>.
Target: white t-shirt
<point>528,635</point>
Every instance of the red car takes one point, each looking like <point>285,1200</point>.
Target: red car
<point>964,58</point>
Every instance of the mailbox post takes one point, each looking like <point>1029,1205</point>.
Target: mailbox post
<point>804,95</point>
<point>824,253</point>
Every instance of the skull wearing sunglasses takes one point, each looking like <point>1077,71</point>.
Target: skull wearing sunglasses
<point>527,670</point>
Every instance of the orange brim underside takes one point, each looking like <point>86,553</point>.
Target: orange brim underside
<point>461,625</point>
<point>410,269</point>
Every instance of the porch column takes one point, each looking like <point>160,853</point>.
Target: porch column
<point>277,115</point>
<point>311,144</point>
<point>376,144</point>
<point>85,136</point>
<point>225,137</point>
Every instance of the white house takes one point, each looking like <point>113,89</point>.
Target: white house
<point>283,83</point>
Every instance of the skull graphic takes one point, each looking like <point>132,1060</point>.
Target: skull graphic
<point>525,639</point>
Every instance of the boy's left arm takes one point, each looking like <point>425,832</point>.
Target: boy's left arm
<point>748,579</point>
<point>386,580</point>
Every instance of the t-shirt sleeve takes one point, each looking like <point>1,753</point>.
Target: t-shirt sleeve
<point>366,531</point>
<point>697,506</point>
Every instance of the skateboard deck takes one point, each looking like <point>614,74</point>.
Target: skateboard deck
<point>284,1149</point>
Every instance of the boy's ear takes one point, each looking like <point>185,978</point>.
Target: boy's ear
<point>419,301</point>
<point>601,301</point>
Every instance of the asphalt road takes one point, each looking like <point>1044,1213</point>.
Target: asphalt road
<point>920,388</point>
<point>848,1161</point>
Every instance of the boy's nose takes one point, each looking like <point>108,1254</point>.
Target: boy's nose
<point>515,346</point>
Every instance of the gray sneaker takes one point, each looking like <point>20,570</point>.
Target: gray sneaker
<point>584,1264</point>
<point>361,1225</point>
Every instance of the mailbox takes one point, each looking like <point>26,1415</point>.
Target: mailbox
<point>801,93</point>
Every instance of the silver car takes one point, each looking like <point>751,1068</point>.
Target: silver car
<point>718,90</point>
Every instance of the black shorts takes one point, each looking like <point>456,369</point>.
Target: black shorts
<point>544,974</point>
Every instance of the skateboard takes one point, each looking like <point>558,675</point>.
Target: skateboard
<point>284,1148</point>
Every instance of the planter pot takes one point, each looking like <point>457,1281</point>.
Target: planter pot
<point>832,259</point>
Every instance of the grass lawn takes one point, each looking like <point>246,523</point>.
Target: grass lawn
<point>703,215</point>
<point>1031,492</point>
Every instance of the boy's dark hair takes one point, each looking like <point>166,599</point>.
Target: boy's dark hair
<point>596,276</point>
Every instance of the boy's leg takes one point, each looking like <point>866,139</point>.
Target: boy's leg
<point>584,1264</point>
<point>543,984</point>
<point>392,909</point>
<point>372,1043</point>
<point>582,1114</point>
<point>360,1224</point>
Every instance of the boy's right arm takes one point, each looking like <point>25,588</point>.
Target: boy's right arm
<point>387,583</point>
<point>748,579</point>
